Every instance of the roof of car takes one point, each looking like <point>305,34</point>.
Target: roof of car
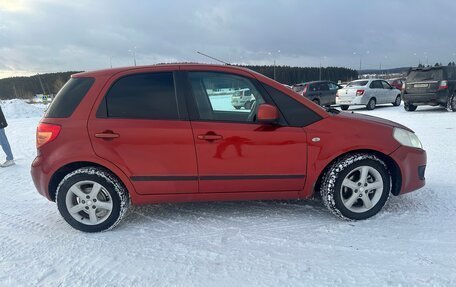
<point>174,66</point>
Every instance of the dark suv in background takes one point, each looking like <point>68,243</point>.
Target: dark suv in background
<point>431,86</point>
<point>320,92</point>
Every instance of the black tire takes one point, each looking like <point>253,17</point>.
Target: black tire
<point>316,101</point>
<point>371,104</point>
<point>397,102</point>
<point>409,107</point>
<point>248,105</point>
<point>451,103</point>
<point>332,191</point>
<point>344,107</point>
<point>237,108</point>
<point>112,192</point>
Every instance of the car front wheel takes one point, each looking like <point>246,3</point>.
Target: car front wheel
<point>91,199</point>
<point>344,107</point>
<point>356,187</point>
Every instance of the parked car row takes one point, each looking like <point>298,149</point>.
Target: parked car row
<point>423,86</point>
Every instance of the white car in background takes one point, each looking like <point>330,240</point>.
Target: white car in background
<point>368,92</point>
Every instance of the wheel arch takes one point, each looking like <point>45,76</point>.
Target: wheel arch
<point>393,168</point>
<point>60,173</point>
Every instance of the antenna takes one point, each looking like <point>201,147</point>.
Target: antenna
<point>213,58</point>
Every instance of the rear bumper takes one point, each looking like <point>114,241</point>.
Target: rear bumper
<point>39,177</point>
<point>412,164</point>
<point>437,98</point>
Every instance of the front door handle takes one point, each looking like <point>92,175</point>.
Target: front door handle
<point>107,135</point>
<point>210,137</point>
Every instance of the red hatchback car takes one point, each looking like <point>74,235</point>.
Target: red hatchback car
<point>168,133</point>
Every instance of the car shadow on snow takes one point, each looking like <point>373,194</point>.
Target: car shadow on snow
<point>228,213</point>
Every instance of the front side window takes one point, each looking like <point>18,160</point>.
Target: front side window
<point>333,86</point>
<point>143,96</point>
<point>224,97</point>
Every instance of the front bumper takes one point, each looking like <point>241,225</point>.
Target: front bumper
<point>412,165</point>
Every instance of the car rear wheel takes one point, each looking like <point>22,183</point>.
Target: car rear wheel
<point>91,199</point>
<point>397,102</point>
<point>356,187</point>
<point>344,107</point>
<point>451,103</point>
<point>371,104</point>
<point>409,107</point>
<point>316,101</point>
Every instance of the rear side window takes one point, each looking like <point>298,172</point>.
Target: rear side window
<point>357,83</point>
<point>69,97</point>
<point>143,96</point>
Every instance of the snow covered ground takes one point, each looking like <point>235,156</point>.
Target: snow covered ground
<point>412,242</point>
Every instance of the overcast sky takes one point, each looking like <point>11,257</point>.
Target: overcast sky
<point>52,36</point>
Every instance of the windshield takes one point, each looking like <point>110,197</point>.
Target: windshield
<point>298,88</point>
<point>425,75</point>
<point>357,83</point>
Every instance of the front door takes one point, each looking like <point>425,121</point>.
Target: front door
<point>235,153</point>
<point>139,128</point>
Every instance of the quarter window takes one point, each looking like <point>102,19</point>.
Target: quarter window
<point>143,96</point>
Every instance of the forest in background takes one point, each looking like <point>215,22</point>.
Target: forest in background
<point>50,84</point>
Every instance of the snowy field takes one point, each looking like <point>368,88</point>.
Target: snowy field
<point>412,242</point>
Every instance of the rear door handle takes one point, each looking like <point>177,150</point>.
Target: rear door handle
<point>107,135</point>
<point>210,137</point>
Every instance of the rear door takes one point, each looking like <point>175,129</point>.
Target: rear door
<point>390,92</point>
<point>235,153</point>
<point>375,91</point>
<point>325,94</point>
<point>140,126</point>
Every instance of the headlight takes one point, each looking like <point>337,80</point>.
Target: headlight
<point>406,138</point>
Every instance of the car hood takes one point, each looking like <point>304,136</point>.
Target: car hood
<point>371,119</point>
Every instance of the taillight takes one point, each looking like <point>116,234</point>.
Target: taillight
<point>359,92</point>
<point>304,92</point>
<point>46,133</point>
<point>443,85</point>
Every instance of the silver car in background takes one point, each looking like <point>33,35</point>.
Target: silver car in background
<point>369,93</point>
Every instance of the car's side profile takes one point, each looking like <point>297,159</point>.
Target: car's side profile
<point>165,134</point>
<point>368,92</point>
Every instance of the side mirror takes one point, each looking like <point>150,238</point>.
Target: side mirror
<point>267,114</point>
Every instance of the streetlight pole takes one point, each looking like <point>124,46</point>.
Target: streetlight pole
<point>274,62</point>
<point>134,55</point>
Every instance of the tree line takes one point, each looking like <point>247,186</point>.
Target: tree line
<point>50,84</point>
<point>28,87</point>
<point>293,75</point>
